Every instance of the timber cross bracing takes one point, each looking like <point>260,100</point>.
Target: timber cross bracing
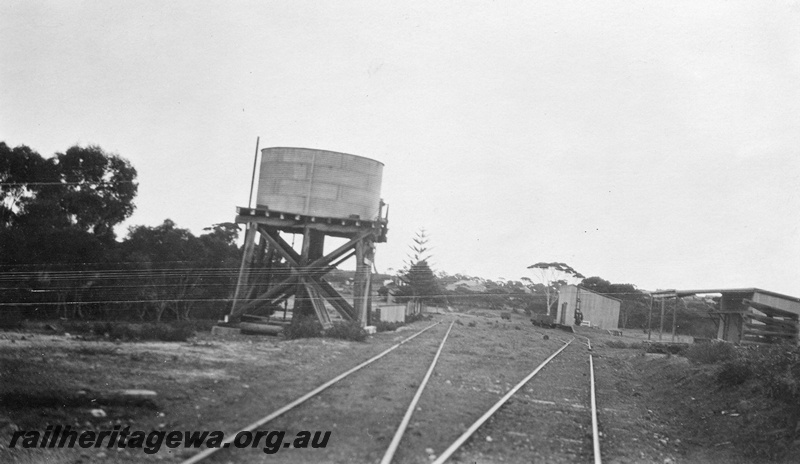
<point>261,282</point>
<point>749,315</point>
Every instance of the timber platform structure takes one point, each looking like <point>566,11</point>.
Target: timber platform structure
<point>745,315</point>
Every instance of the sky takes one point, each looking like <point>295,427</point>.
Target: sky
<point>654,143</point>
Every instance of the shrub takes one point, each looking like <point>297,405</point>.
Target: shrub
<point>160,332</point>
<point>709,353</point>
<point>199,325</point>
<point>10,318</point>
<point>126,331</point>
<point>303,328</point>
<point>168,332</point>
<point>778,368</point>
<point>381,326</point>
<point>734,372</point>
<point>665,348</point>
<point>773,370</point>
<point>417,317</point>
<point>616,344</point>
<point>347,331</point>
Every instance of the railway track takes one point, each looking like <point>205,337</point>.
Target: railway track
<point>517,427</point>
<point>541,424</point>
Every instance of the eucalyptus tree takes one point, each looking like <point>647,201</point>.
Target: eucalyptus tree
<point>553,276</point>
<point>57,217</point>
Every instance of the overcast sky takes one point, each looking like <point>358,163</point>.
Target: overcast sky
<point>654,142</point>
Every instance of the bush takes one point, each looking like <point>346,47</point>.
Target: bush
<point>198,325</point>
<point>778,368</point>
<point>347,331</point>
<point>734,372</point>
<point>665,348</point>
<point>381,326</point>
<point>158,332</point>
<point>630,346</point>
<point>125,331</point>
<point>10,318</point>
<point>774,371</point>
<point>616,344</point>
<point>417,317</point>
<point>303,328</point>
<point>709,353</point>
<point>167,332</point>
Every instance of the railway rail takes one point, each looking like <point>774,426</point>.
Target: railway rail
<point>580,411</point>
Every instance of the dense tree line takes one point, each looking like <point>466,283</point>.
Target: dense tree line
<point>60,257</point>
<point>465,291</point>
<point>691,314</point>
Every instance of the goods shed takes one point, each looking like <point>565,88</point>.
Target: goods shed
<point>598,310</point>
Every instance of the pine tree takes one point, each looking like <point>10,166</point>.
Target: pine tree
<point>420,280</point>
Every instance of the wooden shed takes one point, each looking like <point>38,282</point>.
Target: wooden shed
<point>598,310</point>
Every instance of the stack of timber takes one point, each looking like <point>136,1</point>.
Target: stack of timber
<point>774,326</point>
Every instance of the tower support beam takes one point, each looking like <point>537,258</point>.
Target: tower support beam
<point>265,281</point>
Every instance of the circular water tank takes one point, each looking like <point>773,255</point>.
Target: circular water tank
<point>319,183</point>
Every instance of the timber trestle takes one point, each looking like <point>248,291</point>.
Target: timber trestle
<point>272,271</point>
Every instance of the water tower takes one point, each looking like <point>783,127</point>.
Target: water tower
<point>314,194</point>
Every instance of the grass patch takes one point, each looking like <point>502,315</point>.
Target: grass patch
<point>96,350</point>
<point>53,399</point>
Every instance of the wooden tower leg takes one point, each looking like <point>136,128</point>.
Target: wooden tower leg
<point>362,283</point>
<point>242,285</point>
<point>370,257</point>
<point>256,282</point>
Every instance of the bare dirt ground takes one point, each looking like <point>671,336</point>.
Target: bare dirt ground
<point>224,384</point>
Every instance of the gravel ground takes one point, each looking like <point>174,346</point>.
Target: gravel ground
<point>226,383</point>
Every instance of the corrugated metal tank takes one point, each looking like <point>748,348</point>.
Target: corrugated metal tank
<point>319,183</point>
